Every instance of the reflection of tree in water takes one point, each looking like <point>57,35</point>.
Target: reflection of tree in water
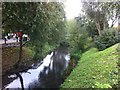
<point>50,77</point>
<point>53,78</point>
<point>33,85</point>
<point>49,80</point>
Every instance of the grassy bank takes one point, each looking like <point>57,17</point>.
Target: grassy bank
<point>96,69</point>
<point>10,56</point>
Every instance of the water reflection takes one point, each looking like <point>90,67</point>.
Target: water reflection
<point>48,74</point>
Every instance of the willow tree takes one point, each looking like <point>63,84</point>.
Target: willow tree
<point>48,25</point>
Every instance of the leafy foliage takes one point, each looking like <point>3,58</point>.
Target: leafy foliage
<point>48,26</point>
<point>77,36</point>
<point>112,11</point>
<point>101,13</point>
<point>43,22</point>
<point>108,38</point>
<point>88,24</point>
<point>18,16</point>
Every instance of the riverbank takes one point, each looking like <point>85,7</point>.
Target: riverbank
<point>95,69</point>
<point>10,55</point>
<point>50,69</point>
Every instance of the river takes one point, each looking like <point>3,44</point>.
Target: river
<point>47,74</point>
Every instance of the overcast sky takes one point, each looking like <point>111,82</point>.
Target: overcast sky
<point>72,8</point>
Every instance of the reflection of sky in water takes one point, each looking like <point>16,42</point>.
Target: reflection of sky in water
<point>32,76</point>
<point>34,73</point>
<point>67,57</point>
<point>51,65</point>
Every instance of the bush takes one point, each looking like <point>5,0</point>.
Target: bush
<point>108,38</point>
<point>76,54</point>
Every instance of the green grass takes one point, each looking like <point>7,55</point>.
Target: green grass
<point>96,69</point>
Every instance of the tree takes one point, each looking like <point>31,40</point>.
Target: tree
<point>43,21</point>
<point>18,16</point>
<point>112,9</point>
<point>92,10</point>
<point>77,35</point>
<point>88,24</point>
<point>101,13</point>
<point>49,25</point>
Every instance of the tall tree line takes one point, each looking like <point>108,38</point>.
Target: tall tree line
<point>44,22</point>
<point>101,13</point>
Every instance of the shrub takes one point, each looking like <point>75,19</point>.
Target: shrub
<point>76,54</point>
<point>107,38</point>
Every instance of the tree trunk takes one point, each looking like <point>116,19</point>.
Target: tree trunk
<point>20,54</point>
<point>97,20</point>
<point>105,23</point>
<point>98,28</point>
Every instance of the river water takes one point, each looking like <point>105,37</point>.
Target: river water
<point>47,75</point>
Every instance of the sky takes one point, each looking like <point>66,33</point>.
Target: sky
<point>72,8</point>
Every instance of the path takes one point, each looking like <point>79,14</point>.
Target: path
<point>9,43</point>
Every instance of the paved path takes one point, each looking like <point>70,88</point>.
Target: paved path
<point>8,41</point>
<point>11,43</point>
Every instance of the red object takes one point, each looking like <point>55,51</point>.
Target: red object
<point>19,34</point>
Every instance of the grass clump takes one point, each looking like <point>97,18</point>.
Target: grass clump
<point>96,69</point>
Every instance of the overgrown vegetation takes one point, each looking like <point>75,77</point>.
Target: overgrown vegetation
<point>77,37</point>
<point>95,69</point>
<point>107,38</point>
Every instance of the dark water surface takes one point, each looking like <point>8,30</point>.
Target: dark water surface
<point>47,75</point>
